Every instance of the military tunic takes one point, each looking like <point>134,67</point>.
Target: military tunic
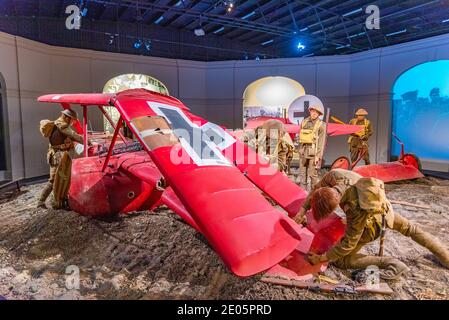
<point>366,208</point>
<point>311,153</point>
<point>359,141</point>
<point>339,179</point>
<point>61,140</point>
<point>278,151</point>
<point>362,226</point>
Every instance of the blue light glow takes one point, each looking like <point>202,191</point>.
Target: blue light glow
<point>300,46</point>
<point>159,20</point>
<point>421,111</point>
<point>395,33</point>
<point>267,42</point>
<point>248,15</point>
<point>352,12</point>
<point>137,44</point>
<point>342,46</point>
<point>219,30</point>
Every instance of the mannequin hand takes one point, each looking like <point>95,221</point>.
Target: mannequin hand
<point>314,258</point>
<point>301,218</point>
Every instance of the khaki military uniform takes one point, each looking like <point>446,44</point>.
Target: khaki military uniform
<point>311,152</point>
<point>278,151</point>
<point>364,225</point>
<point>61,141</point>
<point>339,179</point>
<point>359,140</point>
<point>283,153</point>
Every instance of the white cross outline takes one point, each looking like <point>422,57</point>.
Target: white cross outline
<point>228,140</point>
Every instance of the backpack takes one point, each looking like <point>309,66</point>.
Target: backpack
<point>308,135</point>
<point>46,128</point>
<point>371,193</point>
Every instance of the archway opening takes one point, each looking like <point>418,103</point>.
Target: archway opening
<point>420,111</point>
<point>130,81</point>
<point>270,96</point>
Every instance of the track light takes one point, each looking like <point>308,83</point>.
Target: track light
<point>137,44</point>
<point>148,45</point>
<point>199,32</point>
<point>229,5</point>
<point>300,46</point>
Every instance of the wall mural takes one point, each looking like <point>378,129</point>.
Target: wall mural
<point>420,106</point>
<point>271,97</point>
<point>129,81</point>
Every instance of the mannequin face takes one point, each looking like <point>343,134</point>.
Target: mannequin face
<point>314,114</point>
<point>68,120</point>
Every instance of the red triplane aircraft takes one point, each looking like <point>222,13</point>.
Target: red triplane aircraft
<point>201,172</point>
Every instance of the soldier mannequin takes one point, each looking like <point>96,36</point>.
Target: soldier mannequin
<point>335,178</point>
<point>359,141</point>
<point>276,146</point>
<point>367,212</point>
<point>271,140</point>
<point>61,140</point>
<point>311,146</point>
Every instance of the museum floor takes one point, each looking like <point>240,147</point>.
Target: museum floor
<point>156,256</point>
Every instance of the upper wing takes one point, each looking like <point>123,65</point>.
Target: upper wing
<point>90,99</point>
<point>333,129</point>
<point>242,226</point>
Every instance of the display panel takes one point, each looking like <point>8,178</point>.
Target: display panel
<point>420,106</point>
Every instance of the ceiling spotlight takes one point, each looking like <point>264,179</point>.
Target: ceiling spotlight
<point>199,32</point>
<point>230,5</point>
<point>300,46</point>
<point>138,44</point>
<point>148,45</point>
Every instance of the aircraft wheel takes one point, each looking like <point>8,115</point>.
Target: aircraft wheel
<point>341,163</point>
<point>412,160</point>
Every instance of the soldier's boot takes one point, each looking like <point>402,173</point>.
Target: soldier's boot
<point>302,177</point>
<point>431,243</point>
<point>44,195</point>
<point>367,160</point>
<point>391,268</point>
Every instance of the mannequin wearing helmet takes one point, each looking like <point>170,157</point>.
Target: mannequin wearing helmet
<point>61,140</point>
<point>311,146</point>
<point>272,141</point>
<point>358,142</point>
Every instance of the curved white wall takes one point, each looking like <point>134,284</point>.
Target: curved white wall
<point>213,90</point>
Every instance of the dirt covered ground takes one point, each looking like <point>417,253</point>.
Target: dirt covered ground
<point>156,256</point>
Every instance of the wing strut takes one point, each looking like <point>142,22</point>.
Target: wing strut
<point>114,139</point>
